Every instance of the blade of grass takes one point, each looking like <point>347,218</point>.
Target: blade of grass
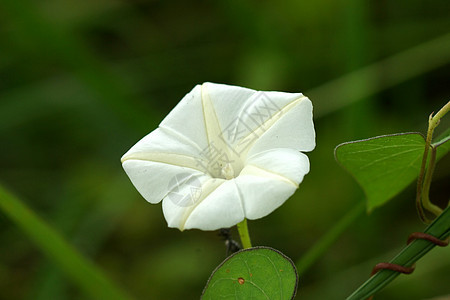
<point>328,239</point>
<point>380,75</point>
<point>94,224</point>
<point>84,273</point>
<point>440,228</point>
<point>58,44</point>
<point>356,36</point>
<point>328,98</point>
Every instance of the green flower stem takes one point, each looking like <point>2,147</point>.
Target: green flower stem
<point>89,278</point>
<point>424,179</point>
<point>325,242</point>
<point>440,228</point>
<point>243,233</point>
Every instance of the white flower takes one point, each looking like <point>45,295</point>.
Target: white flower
<point>224,153</point>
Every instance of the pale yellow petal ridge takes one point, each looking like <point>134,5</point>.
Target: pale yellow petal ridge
<point>268,123</point>
<point>207,188</point>
<point>258,171</point>
<point>212,126</point>
<point>179,136</point>
<point>167,158</point>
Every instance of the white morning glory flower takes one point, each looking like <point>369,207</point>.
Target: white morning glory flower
<point>224,153</point>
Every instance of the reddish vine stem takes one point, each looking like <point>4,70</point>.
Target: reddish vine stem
<point>408,270</point>
<point>392,267</point>
<point>424,236</point>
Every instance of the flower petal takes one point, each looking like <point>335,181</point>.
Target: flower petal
<point>219,131</point>
<point>155,180</point>
<point>288,163</point>
<point>229,103</point>
<point>175,214</point>
<point>219,207</point>
<point>263,194</point>
<point>244,114</point>
<point>293,129</point>
<point>162,146</point>
<point>269,179</point>
<point>186,120</point>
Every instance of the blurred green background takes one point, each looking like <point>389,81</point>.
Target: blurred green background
<point>81,82</point>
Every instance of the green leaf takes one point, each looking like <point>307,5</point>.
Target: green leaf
<point>253,273</point>
<point>440,228</point>
<point>383,165</point>
<point>442,143</point>
<point>329,238</point>
<point>87,276</point>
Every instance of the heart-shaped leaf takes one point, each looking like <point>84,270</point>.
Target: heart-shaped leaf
<point>442,141</point>
<point>383,165</point>
<point>254,273</point>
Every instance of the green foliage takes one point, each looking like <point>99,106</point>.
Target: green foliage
<point>81,83</point>
<point>253,273</point>
<point>383,165</point>
<point>440,228</point>
<point>442,143</point>
<point>86,275</point>
<point>328,239</point>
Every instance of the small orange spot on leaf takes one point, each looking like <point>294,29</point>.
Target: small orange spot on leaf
<point>227,270</point>
<point>251,275</point>
<point>241,280</point>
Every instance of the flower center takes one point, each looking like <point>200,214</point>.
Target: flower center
<point>223,164</point>
<point>227,171</point>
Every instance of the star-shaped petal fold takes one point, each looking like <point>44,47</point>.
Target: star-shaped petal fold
<point>224,153</point>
